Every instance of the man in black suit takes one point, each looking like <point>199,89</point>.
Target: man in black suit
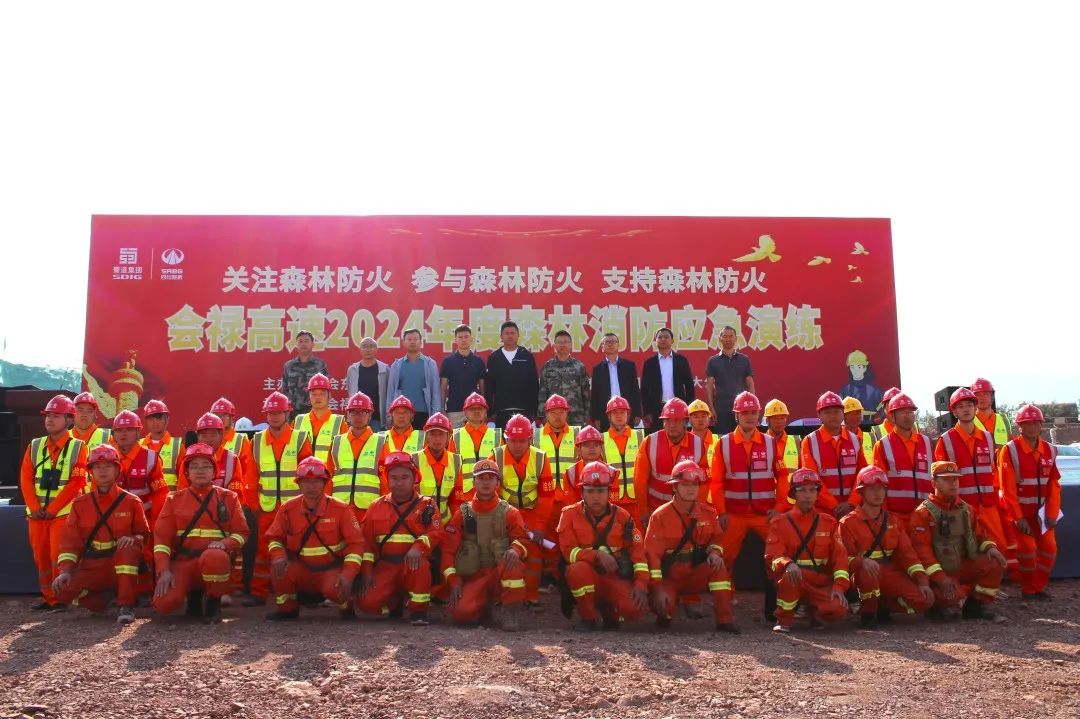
<point>624,374</point>
<point>664,375</point>
<point>512,383</point>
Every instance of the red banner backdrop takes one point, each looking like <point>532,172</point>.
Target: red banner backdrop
<point>188,308</point>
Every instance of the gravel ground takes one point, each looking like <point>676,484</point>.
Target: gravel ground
<point>75,665</point>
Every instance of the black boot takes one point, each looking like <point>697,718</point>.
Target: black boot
<point>974,609</point>
<point>868,620</point>
<point>585,625</point>
<point>884,616</point>
<point>728,628</point>
<point>611,624</point>
<point>663,622</point>
<point>195,603</point>
<point>212,610</point>
<point>283,616</point>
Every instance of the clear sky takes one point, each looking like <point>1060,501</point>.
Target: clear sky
<point>959,121</point>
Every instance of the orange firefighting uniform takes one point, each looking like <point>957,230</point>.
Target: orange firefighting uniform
<point>841,459</point>
<point>650,483</point>
<point>1030,480</point>
<point>94,561</point>
<point>982,573</point>
<point>321,545</point>
<point>169,472</point>
<point>45,533</point>
<point>357,444</point>
<point>490,585</point>
<point>908,471</point>
<point>755,484</point>
<point>193,563</point>
<point>667,527</point>
<point>623,492</point>
<point>979,482</point>
<point>150,487</point>
<point>390,531</point>
<point>535,514</point>
<point>260,579</point>
<point>823,563</point>
<point>581,539</point>
<point>572,490</point>
<point>900,571</point>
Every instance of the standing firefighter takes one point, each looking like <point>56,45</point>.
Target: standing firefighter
<point>1031,484</point>
<point>196,537</point>
<point>682,545</point>
<point>401,529</point>
<point>475,440</point>
<point>606,572</point>
<point>835,456</point>
<point>806,558</point>
<point>483,560</point>
<point>315,545</point>
<point>102,543</point>
<point>776,419</point>
<point>86,429</point>
<point>320,424</point>
<point>169,449</point>
<point>659,454</point>
<point>621,444</point>
<point>354,459</point>
<point>53,473</point>
<point>884,566</point>
<point>955,548</point>
<point>904,454</point>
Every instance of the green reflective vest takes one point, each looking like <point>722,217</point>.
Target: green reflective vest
<point>277,477</point>
<point>320,443</point>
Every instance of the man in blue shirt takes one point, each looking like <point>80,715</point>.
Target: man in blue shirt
<point>415,376</point>
<point>462,374</point>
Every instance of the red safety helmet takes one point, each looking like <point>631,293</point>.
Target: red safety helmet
<point>360,402</point>
<point>402,402</point>
<point>871,475</point>
<point>200,450</point>
<point>804,475</point>
<point>209,421</point>
<point>223,406</point>
<point>485,466</point>
<point>400,459</point>
<point>981,384</point>
<point>438,421</point>
<point>1029,413</point>
<point>829,399</point>
<point>595,474</point>
<point>556,401</point>
<point>746,402</point>
<point>518,427</point>
<point>85,398</point>
<point>588,433</point>
<point>103,453</point>
<point>688,471</point>
<point>474,400</point>
<point>901,401</point>
<point>616,403</point>
<point>59,405</point>
<point>276,402</point>
<point>889,394</point>
<point>154,406</point>
<point>312,468</point>
<point>319,381</point>
<point>959,396</point>
<point>126,420</point>
<point>674,408</point>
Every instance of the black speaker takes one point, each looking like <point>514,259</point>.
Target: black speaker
<point>945,422</point>
<point>941,398</point>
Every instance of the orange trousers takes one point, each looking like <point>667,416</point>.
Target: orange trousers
<point>982,574</point>
<point>611,593</point>
<point>737,527</point>
<point>45,544</point>
<point>683,578</point>
<point>490,586</point>
<point>393,580</point>
<point>260,577</point>
<point>893,587</point>
<point>208,572</point>
<point>1036,554</point>
<point>299,578</point>
<point>815,589</point>
<point>94,579</point>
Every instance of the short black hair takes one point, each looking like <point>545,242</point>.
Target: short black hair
<point>664,329</point>
<point>564,333</point>
<point>409,331</point>
<point>610,334</point>
<point>508,323</point>
<point>462,328</point>
<point>301,333</point>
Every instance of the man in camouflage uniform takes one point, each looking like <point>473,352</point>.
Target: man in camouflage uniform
<point>298,370</point>
<point>566,376</point>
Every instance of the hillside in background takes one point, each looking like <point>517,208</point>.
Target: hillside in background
<point>15,375</point>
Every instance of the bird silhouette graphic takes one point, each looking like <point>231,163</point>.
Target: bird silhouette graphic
<point>857,280</point>
<point>860,250</point>
<point>852,268</point>
<point>819,260</point>
<point>766,247</point>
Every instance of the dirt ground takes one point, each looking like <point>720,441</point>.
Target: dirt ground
<point>75,665</point>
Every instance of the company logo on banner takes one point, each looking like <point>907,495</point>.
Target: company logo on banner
<point>811,300</point>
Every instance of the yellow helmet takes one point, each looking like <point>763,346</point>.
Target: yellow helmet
<point>775,407</point>
<point>852,405</point>
<point>698,405</point>
<point>858,357</point>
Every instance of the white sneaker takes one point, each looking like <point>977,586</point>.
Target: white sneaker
<point>781,629</point>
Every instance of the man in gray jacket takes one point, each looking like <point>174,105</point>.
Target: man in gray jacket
<point>417,377</point>
<point>370,376</point>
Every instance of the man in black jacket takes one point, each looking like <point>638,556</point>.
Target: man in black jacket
<point>664,375</point>
<point>512,383</point>
<point>625,375</point>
